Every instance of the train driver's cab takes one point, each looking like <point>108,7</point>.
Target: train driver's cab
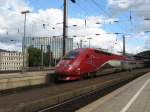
<point>71,55</point>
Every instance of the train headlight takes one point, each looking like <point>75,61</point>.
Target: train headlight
<point>78,69</point>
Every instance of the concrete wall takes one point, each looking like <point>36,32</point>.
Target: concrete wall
<point>15,80</point>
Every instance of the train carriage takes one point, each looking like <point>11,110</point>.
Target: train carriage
<point>88,62</point>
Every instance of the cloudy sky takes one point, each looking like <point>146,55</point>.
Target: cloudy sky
<point>128,17</point>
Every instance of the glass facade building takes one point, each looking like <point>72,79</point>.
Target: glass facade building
<point>54,44</point>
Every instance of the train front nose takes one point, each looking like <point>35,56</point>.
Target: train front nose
<point>64,67</point>
<point>68,72</point>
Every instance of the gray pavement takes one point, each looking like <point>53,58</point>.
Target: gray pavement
<point>133,97</point>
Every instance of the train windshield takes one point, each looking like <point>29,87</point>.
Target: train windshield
<point>71,55</point>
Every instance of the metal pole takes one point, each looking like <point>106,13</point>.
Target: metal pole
<point>42,55</point>
<point>65,27</point>
<point>55,44</point>
<point>124,47</point>
<point>78,45</point>
<point>23,40</point>
<point>49,55</point>
<point>81,43</point>
<point>23,43</point>
<point>89,42</point>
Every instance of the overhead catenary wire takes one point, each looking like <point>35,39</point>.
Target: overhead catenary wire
<point>107,14</point>
<point>104,12</point>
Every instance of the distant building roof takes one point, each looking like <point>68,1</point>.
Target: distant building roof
<point>2,50</point>
<point>144,54</point>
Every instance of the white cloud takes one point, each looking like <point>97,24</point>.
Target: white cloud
<point>140,10</point>
<point>14,5</point>
<point>138,7</point>
<point>100,38</point>
<point>11,20</point>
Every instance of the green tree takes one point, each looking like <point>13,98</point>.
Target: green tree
<point>34,56</point>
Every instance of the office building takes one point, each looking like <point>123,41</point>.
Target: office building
<point>54,44</point>
<point>10,60</point>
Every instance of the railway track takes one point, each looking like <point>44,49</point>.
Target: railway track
<point>81,101</point>
<point>73,104</point>
<point>36,99</point>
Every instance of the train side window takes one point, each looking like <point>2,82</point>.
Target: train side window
<point>71,55</point>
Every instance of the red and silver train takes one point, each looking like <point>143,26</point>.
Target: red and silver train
<point>88,62</point>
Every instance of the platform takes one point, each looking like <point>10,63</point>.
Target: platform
<point>15,80</point>
<point>133,97</point>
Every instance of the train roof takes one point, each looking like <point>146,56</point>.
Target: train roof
<point>96,50</point>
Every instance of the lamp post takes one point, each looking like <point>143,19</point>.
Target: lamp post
<point>23,40</point>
